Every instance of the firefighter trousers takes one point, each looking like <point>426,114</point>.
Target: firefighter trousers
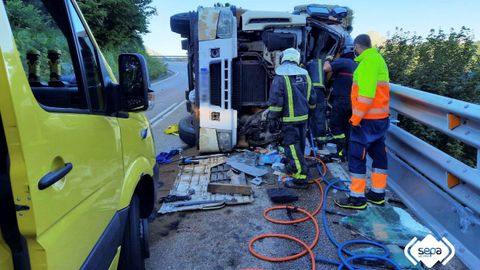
<point>339,126</point>
<point>294,136</point>
<point>317,119</point>
<point>368,138</point>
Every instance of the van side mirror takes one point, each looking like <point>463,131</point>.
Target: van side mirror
<point>134,82</point>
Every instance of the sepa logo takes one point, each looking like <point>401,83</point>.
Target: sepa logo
<point>429,251</point>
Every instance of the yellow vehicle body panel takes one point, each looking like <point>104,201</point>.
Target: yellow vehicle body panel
<point>109,157</point>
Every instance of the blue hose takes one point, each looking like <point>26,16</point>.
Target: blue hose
<point>342,247</point>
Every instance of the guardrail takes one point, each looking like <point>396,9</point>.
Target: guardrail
<point>443,191</point>
<point>171,58</point>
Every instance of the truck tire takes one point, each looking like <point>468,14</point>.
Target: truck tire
<point>186,131</point>
<point>131,256</point>
<point>180,24</point>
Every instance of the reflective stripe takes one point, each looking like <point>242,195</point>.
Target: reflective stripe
<point>358,175</point>
<point>299,176</point>
<point>275,108</point>
<point>365,100</point>
<point>290,96</point>
<point>295,118</point>
<point>339,136</point>
<point>378,190</point>
<point>312,106</point>
<point>309,87</point>
<point>320,73</point>
<point>357,194</point>
<point>317,84</point>
<point>359,113</point>
<point>377,170</point>
<point>322,138</point>
<point>378,110</point>
<point>383,83</point>
<point>297,161</point>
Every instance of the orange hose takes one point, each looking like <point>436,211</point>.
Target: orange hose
<point>308,215</point>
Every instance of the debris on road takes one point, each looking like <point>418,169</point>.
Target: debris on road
<point>166,157</point>
<point>172,130</point>
<point>196,176</point>
<point>282,195</point>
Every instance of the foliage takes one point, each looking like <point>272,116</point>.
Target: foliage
<point>34,30</point>
<point>116,25</point>
<point>446,64</point>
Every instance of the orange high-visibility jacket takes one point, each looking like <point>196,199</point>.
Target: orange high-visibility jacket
<point>370,88</point>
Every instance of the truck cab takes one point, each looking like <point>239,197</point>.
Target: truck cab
<point>77,158</point>
<point>232,56</point>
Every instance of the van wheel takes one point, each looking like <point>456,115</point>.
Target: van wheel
<point>180,24</point>
<point>131,256</point>
<point>186,131</point>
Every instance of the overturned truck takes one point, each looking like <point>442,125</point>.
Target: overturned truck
<point>232,56</point>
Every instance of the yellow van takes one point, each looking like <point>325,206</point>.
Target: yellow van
<point>77,158</point>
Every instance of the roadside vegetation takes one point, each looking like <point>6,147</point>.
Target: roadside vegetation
<point>116,24</point>
<point>443,63</point>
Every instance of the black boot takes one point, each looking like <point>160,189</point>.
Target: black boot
<point>375,198</point>
<point>357,203</point>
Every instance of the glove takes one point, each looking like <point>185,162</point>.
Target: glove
<point>265,115</point>
<point>329,58</point>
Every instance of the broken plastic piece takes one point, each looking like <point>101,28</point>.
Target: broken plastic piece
<point>257,181</point>
<point>250,170</point>
<point>387,224</point>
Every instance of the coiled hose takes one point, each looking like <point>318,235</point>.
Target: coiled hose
<point>345,262</point>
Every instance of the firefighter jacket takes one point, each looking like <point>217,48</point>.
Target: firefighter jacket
<point>291,96</point>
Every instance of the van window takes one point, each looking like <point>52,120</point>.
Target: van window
<point>47,50</point>
<point>89,62</point>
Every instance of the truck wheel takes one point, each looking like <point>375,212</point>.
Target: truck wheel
<point>131,256</point>
<point>187,131</point>
<point>180,24</point>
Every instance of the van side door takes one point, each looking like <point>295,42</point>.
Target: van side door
<point>65,151</point>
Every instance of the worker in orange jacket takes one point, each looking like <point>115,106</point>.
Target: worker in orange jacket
<point>370,122</point>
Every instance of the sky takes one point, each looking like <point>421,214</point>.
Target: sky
<point>381,16</point>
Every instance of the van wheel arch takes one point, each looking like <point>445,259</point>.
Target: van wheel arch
<point>145,191</point>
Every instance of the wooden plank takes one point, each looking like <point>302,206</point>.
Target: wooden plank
<point>224,188</point>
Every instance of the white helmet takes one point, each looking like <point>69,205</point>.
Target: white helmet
<point>291,55</point>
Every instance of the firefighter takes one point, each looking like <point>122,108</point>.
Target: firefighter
<point>341,70</point>
<point>292,99</point>
<point>370,112</point>
<point>317,121</point>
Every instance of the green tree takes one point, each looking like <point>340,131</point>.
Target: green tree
<point>118,26</point>
<point>446,64</point>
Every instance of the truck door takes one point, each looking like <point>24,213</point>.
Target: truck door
<point>65,153</point>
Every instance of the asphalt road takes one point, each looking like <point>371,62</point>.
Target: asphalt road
<point>169,106</point>
<point>218,239</point>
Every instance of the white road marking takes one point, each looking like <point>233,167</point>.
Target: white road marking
<point>162,113</point>
<point>166,79</point>
<point>167,113</point>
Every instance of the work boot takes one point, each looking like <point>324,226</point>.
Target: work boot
<point>375,198</point>
<point>356,203</point>
<point>296,184</point>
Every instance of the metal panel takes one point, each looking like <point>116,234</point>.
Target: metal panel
<point>419,173</point>
<point>435,164</point>
<point>432,110</point>
<point>442,214</point>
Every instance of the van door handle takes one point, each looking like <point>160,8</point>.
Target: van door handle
<point>53,177</point>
